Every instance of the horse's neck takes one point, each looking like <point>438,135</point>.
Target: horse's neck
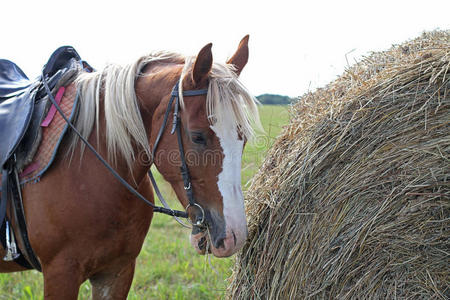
<point>151,92</point>
<point>142,161</point>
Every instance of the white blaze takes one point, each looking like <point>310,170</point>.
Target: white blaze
<point>229,183</point>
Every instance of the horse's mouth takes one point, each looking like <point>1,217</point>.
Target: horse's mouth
<point>202,239</point>
<point>203,245</point>
<point>220,244</point>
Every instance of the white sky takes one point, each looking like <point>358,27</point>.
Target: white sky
<point>294,45</point>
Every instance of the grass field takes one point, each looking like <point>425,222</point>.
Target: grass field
<point>168,267</point>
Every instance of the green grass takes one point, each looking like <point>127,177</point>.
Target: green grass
<point>168,267</point>
<point>273,118</point>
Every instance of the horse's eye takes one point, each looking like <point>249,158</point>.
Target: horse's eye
<point>198,138</point>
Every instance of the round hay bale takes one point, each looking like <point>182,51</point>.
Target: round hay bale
<point>352,201</point>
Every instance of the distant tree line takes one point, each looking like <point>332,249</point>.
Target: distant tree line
<point>274,99</point>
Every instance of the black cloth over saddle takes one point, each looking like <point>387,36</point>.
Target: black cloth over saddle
<point>23,105</point>
<point>21,99</point>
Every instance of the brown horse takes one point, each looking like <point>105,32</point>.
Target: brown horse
<point>83,224</point>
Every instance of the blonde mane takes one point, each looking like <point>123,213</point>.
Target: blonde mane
<point>228,102</point>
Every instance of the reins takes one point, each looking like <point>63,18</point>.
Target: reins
<point>184,169</point>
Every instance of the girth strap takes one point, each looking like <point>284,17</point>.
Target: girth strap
<point>19,218</point>
<point>5,193</point>
<point>11,191</point>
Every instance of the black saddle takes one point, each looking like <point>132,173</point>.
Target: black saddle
<point>23,103</point>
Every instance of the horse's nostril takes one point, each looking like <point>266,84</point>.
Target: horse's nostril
<point>234,237</point>
<point>219,241</point>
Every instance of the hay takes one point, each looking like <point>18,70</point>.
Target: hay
<point>352,201</point>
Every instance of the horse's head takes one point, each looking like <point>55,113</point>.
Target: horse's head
<point>214,128</point>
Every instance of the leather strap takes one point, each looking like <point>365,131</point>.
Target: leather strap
<point>19,218</point>
<point>162,200</point>
<point>176,127</point>
<point>27,258</point>
<point>161,129</point>
<point>181,214</point>
<point>184,169</point>
<point>5,194</point>
<point>175,92</point>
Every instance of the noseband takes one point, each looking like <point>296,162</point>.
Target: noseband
<point>176,126</point>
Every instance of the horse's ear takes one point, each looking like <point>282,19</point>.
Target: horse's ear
<point>202,64</point>
<point>240,58</point>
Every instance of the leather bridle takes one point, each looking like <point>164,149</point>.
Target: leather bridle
<point>176,127</point>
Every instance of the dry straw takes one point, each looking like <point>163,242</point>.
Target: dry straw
<point>353,200</point>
